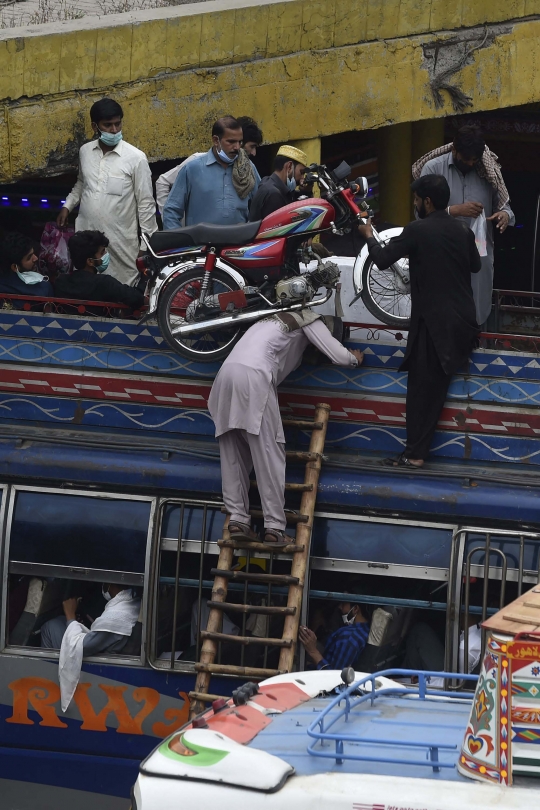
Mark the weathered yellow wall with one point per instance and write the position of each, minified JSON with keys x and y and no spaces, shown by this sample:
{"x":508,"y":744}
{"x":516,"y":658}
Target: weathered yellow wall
{"x":303,"y":69}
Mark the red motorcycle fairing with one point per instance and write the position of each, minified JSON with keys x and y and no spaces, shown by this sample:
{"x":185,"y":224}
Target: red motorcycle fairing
{"x":301,"y":217}
{"x":257,"y":259}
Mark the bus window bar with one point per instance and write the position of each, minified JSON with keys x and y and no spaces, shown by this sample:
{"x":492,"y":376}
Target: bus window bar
{"x":335,"y":596}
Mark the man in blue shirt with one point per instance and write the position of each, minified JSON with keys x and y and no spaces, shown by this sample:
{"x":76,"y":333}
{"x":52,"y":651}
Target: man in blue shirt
{"x":344,"y":645}
{"x":217,"y":186}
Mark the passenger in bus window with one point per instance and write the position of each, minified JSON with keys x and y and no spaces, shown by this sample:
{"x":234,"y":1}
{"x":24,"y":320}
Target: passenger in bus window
{"x":89,"y":254}
{"x":110,"y":633}
{"x":344,"y":645}
{"x":425,"y":649}
{"x":18,"y":268}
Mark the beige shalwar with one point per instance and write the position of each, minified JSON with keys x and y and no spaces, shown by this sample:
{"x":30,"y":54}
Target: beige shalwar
{"x":244,"y":405}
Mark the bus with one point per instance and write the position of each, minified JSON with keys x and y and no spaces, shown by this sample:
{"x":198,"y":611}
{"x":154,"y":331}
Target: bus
{"x":109,"y":473}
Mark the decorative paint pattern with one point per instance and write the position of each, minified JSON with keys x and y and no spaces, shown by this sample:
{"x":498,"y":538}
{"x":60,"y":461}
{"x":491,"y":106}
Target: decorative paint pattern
{"x":486,"y":751}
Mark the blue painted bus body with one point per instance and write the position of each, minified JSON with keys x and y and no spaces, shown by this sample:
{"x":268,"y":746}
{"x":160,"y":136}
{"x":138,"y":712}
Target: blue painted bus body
{"x":99,"y":405}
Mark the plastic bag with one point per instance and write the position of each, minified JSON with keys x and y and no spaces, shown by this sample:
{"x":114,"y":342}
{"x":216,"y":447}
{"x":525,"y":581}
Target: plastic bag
{"x":479,"y":228}
{"x":54,"y":255}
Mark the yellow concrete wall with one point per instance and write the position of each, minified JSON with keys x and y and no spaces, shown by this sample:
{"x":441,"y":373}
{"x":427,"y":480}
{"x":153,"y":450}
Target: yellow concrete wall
{"x":303,"y":69}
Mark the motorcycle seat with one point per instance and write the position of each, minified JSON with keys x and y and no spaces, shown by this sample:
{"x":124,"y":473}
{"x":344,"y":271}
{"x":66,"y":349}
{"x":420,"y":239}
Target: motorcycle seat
{"x":204,"y":234}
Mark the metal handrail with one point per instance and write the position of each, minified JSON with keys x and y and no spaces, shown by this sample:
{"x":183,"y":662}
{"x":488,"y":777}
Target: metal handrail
{"x":320,"y":731}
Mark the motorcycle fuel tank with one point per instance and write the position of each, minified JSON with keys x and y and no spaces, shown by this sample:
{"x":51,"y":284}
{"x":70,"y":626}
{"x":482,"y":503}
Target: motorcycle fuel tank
{"x":303,"y":216}
{"x":258,"y":259}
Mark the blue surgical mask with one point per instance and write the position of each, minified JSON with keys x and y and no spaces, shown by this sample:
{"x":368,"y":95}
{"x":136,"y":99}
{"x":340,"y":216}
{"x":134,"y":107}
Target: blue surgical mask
{"x":105,"y":259}
{"x":225,"y":158}
{"x":31,"y":277}
{"x":110,"y":138}
{"x":291,"y":183}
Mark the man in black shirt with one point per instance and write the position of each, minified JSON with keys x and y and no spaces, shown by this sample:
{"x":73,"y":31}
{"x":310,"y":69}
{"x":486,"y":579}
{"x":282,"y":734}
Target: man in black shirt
{"x":278,"y":190}
{"x":88,"y":250}
{"x":442,"y":255}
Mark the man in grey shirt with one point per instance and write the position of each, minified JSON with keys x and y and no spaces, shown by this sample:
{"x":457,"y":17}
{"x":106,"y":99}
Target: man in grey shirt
{"x":476,"y":187}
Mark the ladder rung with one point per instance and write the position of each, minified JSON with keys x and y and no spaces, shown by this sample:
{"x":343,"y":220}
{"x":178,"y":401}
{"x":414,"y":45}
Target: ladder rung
{"x":302,"y":455}
{"x":206,"y":698}
{"x":290,"y":548}
{"x":292,"y":517}
{"x":246,"y":672}
{"x":247,"y":641}
{"x":302,"y":423}
{"x":262,"y":610}
{"x":292,"y":487}
{"x":246,"y":576}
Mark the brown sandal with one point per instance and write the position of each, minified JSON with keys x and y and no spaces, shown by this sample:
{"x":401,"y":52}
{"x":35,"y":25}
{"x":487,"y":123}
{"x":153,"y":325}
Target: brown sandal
{"x":242,"y":531}
{"x":277,"y":537}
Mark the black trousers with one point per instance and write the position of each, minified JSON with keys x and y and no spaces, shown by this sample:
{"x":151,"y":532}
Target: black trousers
{"x":427,"y":387}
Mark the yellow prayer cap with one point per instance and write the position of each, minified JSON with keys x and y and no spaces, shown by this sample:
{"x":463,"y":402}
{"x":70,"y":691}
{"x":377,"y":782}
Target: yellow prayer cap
{"x":294,"y":154}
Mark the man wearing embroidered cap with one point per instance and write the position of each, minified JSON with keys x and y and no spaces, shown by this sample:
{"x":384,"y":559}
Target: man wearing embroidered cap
{"x":278,"y":190}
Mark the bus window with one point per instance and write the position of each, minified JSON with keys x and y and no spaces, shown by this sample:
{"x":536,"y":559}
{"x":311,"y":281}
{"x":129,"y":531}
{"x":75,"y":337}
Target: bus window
{"x":74,"y":555}
{"x":183,"y":578}
{"x":183,"y":586}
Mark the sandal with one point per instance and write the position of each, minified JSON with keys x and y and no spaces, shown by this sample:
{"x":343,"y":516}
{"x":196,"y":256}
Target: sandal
{"x":277,"y":537}
{"x":401,"y":461}
{"x":242,"y":531}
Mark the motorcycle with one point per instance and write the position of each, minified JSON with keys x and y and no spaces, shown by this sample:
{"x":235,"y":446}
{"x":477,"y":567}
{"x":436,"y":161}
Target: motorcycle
{"x":207,"y":283}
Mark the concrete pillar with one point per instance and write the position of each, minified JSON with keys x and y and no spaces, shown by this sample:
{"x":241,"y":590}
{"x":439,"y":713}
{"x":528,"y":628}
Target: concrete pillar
{"x":426,"y":135}
{"x":395,"y":173}
{"x":312,"y":148}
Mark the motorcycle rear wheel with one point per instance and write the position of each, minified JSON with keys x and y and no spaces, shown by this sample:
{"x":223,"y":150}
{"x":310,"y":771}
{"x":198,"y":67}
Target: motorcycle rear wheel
{"x":204,"y":347}
{"x":386,"y":296}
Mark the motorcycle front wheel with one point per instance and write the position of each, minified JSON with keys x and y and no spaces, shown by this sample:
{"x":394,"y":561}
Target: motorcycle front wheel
{"x":176,"y":302}
{"x":386,"y":295}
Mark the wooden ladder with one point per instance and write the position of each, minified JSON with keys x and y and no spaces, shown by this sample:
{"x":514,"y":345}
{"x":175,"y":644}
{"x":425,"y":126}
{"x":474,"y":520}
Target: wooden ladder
{"x":299,"y":551}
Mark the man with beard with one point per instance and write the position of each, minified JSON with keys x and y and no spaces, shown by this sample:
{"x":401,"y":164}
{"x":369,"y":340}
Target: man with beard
{"x":442,"y":254}
{"x":478,"y":197}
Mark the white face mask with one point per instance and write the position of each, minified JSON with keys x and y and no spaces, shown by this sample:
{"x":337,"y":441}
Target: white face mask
{"x":348,"y":618}
{"x":224,"y":157}
{"x":30,"y":277}
{"x":106,"y":594}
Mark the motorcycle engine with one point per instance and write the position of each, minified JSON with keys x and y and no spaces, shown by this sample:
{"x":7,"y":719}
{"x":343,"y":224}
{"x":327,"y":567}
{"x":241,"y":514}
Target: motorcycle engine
{"x":294,"y":289}
{"x":304,"y":287}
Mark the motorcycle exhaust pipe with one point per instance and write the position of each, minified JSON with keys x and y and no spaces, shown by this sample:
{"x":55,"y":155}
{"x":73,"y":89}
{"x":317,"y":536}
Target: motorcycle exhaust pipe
{"x":242,"y":318}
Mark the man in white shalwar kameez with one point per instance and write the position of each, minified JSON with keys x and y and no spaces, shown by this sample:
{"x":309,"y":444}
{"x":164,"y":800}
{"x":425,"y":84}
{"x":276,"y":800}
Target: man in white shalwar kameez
{"x":113,"y":191}
{"x":244,"y":405}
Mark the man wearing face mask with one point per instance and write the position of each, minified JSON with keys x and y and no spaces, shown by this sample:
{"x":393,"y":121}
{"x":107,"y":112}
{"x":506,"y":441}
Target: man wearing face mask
{"x":109,"y":633}
{"x":478,"y":197}
{"x":113,"y":190}
{"x":215,"y":187}
{"x":18,"y":268}
{"x":252,"y":139}
{"x":345,"y":644}
{"x":278,"y":190}
{"x":89,"y":251}
{"x":442,"y":255}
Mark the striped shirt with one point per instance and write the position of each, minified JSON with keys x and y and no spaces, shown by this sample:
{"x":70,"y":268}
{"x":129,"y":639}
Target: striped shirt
{"x":344,"y":646}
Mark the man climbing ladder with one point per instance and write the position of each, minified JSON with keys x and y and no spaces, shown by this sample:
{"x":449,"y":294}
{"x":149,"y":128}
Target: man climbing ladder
{"x":244,"y":406}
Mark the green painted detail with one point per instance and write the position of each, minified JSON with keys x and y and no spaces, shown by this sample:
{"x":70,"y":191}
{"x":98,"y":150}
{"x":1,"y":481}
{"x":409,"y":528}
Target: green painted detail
{"x":203,"y":757}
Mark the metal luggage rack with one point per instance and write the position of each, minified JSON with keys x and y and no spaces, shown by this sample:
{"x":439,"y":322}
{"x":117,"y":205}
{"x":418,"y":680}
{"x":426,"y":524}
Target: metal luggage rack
{"x":319,"y":729}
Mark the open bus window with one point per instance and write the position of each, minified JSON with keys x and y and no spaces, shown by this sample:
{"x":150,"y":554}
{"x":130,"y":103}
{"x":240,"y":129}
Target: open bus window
{"x":390,"y":630}
{"x":184,"y":587}
{"x":183,"y":573}
{"x":78,"y":557}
